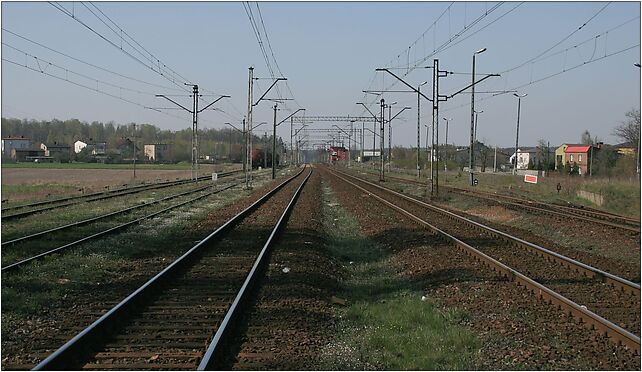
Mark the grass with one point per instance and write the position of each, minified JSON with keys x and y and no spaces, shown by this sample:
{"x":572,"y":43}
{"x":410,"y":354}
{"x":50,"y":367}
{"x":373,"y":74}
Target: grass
{"x":10,"y":191}
{"x":99,"y":263}
{"x":621,"y":195}
{"x":386,"y":325}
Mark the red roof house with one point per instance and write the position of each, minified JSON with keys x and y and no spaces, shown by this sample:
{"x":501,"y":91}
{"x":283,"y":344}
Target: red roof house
{"x":578,"y":154}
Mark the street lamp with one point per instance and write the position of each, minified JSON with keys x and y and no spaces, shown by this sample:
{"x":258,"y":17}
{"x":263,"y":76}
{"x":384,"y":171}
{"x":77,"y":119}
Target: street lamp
{"x":519,"y":105}
{"x":471,"y":155}
{"x":419,"y":125}
{"x":446,"y":144}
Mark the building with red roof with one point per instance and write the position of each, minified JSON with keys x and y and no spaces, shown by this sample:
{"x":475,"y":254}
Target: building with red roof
{"x":578,"y":155}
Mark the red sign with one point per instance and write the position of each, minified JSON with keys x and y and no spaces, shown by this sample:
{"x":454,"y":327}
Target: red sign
{"x":530,"y":179}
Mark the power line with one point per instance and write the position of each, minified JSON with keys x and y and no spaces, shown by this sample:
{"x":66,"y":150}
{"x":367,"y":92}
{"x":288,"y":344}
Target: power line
{"x":88,"y":63}
{"x":123,"y":32}
{"x":559,"y":42}
{"x":97,"y":90}
{"x":48,"y":63}
{"x":151,"y":67}
{"x":550,"y":76}
{"x":444,"y":46}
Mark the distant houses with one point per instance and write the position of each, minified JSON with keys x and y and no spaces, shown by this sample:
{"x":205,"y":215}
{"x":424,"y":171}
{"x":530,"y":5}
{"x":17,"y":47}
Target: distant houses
{"x":157,"y":152}
{"x":57,"y":151}
{"x":94,"y":148}
{"x":11,"y":143}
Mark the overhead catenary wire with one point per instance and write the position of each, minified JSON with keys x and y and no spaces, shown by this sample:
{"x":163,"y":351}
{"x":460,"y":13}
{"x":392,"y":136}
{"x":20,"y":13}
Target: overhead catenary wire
{"x":67,"y":70}
{"x":559,"y":42}
{"x":151,"y":67}
{"x":90,"y":64}
{"x":142,"y":47}
{"x":94,"y":89}
{"x":565,"y":70}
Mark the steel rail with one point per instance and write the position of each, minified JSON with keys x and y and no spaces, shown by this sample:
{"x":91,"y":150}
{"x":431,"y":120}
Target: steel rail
{"x":122,"y":211}
{"x":99,"y":196}
{"x":615,"y":333}
{"x":543,"y":208}
{"x":589,"y":216}
{"x":92,"y":219}
{"x":616,"y":281}
{"x":216,"y":347}
{"x":15,"y":265}
{"x":67,"y":354}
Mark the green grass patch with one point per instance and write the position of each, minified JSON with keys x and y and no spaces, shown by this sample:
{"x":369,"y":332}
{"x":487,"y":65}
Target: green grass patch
{"x":386,"y":325}
{"x":178,"y":166}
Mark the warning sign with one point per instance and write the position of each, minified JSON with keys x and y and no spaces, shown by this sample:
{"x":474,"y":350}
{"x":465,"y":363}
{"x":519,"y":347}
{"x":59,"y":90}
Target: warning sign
{"x":530,"y":179}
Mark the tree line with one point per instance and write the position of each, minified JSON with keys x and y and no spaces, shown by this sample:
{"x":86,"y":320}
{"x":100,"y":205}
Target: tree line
{"x":219,"y":143}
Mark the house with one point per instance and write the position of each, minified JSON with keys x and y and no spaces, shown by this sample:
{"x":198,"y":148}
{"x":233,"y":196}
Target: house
{"x":96,"y":148}
{"x":10,"y":143}
{"x":157,"y":152}
{"x":560,"y":155}
{"x":625,"y":149}
{"x":337,"y":154}
{"x":578,"y":155}
{"x":79,"y":145}
{"x":26,"y":154}
{"x":525,"y":155}
{"x":58,"y":151}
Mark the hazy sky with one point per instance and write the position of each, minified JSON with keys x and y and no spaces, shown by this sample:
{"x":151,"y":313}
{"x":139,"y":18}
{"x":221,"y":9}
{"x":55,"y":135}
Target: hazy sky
{"x":329,"y":51}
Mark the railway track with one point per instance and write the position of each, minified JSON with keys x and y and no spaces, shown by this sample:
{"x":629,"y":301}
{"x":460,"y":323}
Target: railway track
{"x":48,"y":239}
{"x":48,"y":205}
{"x":183,"y":316}
{"x":591,"y":215}
{"x":576,"y":288}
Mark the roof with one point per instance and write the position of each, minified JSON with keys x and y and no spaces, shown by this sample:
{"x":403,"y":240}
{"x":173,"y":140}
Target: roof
{"x":575,"y":148}
{"x":57,"y":145}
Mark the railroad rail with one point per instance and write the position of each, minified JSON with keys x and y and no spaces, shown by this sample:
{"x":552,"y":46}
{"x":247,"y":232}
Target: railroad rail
{"x":169,"y":321}
{"x":45,"y":205}
{"x":588,"y":317}
{"x":22,"y":262}
{"x":584,"y":214}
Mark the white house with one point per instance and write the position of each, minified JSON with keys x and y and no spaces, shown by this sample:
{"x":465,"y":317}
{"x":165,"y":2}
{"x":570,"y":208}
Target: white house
{"x":78,"y":146}
{"x":524,"y":156}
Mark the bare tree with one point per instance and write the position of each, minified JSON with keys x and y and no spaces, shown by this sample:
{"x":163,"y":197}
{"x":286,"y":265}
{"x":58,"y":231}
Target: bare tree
{"x":586,"y":138}
{"x":629,"y":129}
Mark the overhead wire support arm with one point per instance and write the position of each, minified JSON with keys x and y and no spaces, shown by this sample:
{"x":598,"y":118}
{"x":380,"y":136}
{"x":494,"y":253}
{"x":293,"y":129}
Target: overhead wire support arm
{"x":401,"y":80}
{"x":289,"y":116}
{"x":268,"y":89}
{"x":470,"y":85}
{"x":216,"y":100}
{"x":176,"y":103}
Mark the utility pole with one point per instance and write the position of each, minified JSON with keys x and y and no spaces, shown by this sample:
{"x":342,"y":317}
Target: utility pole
{"x":244,"y":150}
{"x":591,"y":161}
{"x":519,"y":105}
{"x":291,"y":144}
{"x":363,"y":127}
{"x":274,"y":144}
{"x":495,"y":163}
{"x":195,"y":134}
{"x":418,"y":131}
{"x":248,"y":131}
{"x":194,"y":111}
{"x":434,"y":190}
{"x":471,"y":155}
{"x":390,"y":134}
{"x":383,"y":112}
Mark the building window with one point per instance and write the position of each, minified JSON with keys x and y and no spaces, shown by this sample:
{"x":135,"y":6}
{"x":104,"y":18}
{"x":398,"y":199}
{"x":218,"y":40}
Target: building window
{"x":571,"y":157}
{"x":579,"y":158}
